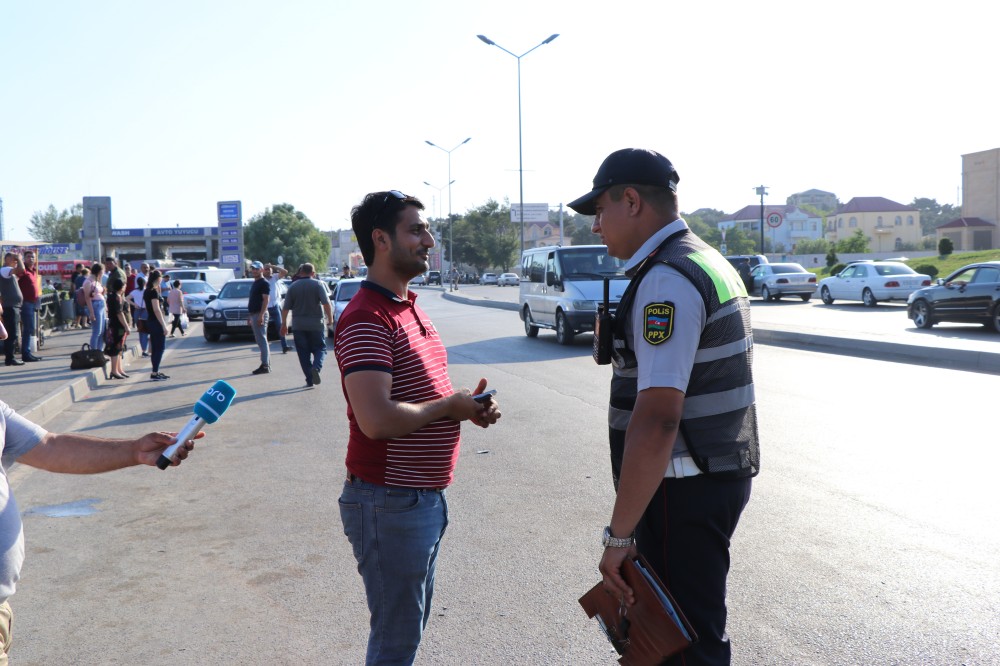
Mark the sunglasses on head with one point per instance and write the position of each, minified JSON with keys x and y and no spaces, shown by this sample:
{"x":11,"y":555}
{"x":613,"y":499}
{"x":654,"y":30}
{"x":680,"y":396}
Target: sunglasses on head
{"x":385,"y":202}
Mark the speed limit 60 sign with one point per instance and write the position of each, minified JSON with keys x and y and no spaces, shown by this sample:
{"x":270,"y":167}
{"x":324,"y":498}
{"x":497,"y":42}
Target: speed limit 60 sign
{"x":774,"y":220}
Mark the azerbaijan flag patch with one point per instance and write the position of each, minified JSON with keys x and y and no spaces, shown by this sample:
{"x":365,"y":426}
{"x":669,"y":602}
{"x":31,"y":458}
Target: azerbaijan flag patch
{"x":659,"y":325}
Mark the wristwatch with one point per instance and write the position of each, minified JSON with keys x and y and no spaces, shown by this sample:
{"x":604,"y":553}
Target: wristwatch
{"x":611,"y":541}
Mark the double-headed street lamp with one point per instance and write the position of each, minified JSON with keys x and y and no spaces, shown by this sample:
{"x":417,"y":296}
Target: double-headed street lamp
{"x":520,"y":147}
{"x":435,"y":187}
{"x":451,"y":243}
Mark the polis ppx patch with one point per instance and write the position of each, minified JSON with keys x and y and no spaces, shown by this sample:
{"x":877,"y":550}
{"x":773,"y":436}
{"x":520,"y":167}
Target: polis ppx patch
{"x":659,"y":318}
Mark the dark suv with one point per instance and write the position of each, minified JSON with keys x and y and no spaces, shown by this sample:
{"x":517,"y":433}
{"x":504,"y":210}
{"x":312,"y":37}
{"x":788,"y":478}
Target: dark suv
{"x":434,"y":277}
{"x":754,"y":259}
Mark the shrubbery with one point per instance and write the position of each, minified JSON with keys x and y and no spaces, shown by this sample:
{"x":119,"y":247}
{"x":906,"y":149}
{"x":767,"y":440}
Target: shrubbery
{"x":927,"y":269}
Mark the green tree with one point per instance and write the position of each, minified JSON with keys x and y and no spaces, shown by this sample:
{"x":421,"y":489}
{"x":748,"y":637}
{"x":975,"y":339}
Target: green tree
{"x":856,"y":244}
{"x":288,"y":233}
{"x":831,"y":258}
{"x":709,"y":216}
{"x":486,"y":238}
{"x":933,"y":214}
{"x":812,"y":246}
{"x":737,"y":242}
{"x":54,"y":226}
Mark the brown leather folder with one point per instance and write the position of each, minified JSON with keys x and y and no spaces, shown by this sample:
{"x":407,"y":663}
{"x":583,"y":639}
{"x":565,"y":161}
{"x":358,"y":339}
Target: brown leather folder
{"x":651,"y":630}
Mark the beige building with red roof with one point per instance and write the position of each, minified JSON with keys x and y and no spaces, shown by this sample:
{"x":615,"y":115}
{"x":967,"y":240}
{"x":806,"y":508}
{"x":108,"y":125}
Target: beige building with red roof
{"x":889,"y":226}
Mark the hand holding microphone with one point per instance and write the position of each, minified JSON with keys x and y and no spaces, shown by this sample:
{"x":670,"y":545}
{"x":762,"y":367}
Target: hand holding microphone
{"x":212,"y":405}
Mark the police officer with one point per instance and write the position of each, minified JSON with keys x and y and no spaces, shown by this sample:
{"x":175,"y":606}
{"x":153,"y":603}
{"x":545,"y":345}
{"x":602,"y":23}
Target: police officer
{"x":683,"y":424}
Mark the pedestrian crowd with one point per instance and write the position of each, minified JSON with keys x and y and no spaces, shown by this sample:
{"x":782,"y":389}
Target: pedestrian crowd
{"x":108,"y":299}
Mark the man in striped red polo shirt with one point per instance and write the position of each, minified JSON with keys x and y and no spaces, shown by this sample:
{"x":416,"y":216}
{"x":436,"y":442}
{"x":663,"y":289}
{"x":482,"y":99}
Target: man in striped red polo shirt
{"x":404,"y":420}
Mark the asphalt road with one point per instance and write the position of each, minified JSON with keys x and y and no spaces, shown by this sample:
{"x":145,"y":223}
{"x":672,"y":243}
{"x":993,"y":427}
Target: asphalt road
{"x":868,"y":538}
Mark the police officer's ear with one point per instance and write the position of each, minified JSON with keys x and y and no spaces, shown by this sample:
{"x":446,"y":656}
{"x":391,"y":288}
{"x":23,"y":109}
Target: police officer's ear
{"x":632,"y":199}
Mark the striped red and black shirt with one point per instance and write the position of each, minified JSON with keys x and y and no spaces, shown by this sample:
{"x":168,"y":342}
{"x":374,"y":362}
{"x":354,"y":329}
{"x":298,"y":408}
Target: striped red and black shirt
{"x":378,"y":331}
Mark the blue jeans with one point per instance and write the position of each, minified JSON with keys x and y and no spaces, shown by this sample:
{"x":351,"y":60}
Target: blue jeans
{"x":12,"y":322}
{"x":311,"y":348}
{"x":28,"y":310}
{"x":260,"y":334}
{"x":396,"y":535}
{"x":274,"y":314}
{"x":99,"y":326}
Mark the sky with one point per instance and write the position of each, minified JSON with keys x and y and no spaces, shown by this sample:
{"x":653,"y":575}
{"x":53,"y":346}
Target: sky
{"x":170,"y":107}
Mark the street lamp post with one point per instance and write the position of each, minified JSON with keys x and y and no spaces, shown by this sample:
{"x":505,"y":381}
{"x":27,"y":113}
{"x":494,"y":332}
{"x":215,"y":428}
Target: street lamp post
{"x":435,"y":187}
{"x":451,"y":242}
{"x":762,"y":190}
{"x":520,"y":146}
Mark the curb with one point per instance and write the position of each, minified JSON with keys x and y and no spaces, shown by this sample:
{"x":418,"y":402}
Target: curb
{"x":60,"y":399}
{"x":954,"y":359}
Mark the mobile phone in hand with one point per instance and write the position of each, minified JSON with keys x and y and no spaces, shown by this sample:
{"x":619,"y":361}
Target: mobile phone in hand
{"x":484,"y":397}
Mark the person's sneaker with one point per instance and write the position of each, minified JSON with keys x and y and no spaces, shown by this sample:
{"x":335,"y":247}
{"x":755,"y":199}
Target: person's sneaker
{"x":316,"y":378}
{"x":145,"y":354}
{"x":158,"y":377}
{"x":262,"y":370}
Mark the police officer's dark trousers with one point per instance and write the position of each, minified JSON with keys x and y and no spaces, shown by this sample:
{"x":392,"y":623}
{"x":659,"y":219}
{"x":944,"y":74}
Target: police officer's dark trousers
{"x":685,"y":535}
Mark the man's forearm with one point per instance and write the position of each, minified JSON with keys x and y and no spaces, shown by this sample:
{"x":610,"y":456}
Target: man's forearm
{"x":649,"y":445}
{"x":70,"y":453}
{"x":403,"y":418}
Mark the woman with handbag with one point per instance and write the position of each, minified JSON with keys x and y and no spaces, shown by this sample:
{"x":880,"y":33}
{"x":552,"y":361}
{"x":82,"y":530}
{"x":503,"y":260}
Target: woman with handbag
{"x":117,"y":327}
{"x":140,"y":313}
{"x":93,"y":292}
{"x":156,"y":325}
{"x":175,"y":304}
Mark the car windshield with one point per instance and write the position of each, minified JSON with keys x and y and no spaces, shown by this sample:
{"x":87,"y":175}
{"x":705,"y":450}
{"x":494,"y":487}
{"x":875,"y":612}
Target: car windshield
{"x":894,"y":269}
{"x":235,"y":290}
{"x":786,"y":268}
{"x":592,"y":264}
{"x":197,"y":287}
{"x":347,"y":290}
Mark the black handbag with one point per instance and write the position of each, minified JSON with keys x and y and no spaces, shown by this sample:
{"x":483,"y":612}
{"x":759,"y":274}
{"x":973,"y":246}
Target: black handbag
{"x":87,"y":358}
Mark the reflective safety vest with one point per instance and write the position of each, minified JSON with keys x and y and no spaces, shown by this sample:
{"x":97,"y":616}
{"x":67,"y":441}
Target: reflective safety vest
{"x":719,"y":421}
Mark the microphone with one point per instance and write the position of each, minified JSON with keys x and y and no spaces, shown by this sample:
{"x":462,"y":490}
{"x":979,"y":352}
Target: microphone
{"x":208,"y":409}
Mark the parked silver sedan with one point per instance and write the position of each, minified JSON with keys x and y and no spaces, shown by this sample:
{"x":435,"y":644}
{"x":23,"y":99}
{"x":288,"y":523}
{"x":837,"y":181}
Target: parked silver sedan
{"x":772,"y":281}
{"x":873,"y":281}
{"x":343,"y":292}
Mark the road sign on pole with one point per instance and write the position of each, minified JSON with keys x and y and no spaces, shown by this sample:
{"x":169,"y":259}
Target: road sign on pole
{"x":774,"y":220}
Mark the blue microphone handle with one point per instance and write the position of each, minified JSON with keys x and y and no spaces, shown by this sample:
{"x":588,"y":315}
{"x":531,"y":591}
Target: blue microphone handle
{"x":189,"y":431}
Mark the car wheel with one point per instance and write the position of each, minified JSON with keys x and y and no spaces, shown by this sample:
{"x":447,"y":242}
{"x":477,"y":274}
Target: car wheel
{"x":868,"y":298}
{"x":529,"y":328}
{"x":995,"y":318}
{"x":824,"y":294}
{"x":806,"y":297}
{"x":212,"y":337}
{"x":922,"y":314}
{"x":765,"y":293}
{"x":564,"y":334}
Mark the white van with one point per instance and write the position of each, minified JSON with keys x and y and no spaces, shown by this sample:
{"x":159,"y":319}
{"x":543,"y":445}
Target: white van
{"x":561,"y":287}
{"x":214,"y":276}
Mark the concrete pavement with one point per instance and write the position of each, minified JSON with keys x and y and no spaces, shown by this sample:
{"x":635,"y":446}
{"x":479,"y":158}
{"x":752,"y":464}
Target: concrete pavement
{"x":41,"y":390}
{"x":960,"y":347}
